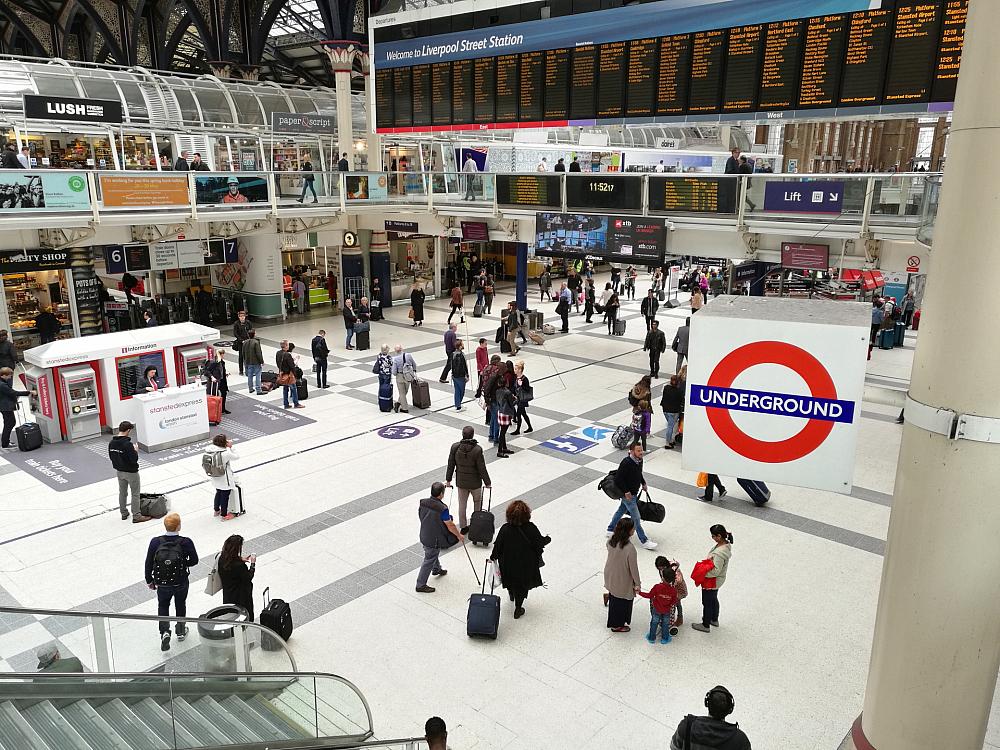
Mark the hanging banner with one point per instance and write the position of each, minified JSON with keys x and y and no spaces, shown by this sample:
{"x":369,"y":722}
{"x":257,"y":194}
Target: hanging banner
{"x":69,"y":109}
{"x":142,"y":191}
{"x":52,"y":191}
{"x":230,"y":190}
{"x":286,"y":122}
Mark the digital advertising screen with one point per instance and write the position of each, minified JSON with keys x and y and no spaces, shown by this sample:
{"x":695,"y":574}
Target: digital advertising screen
{"x":624,"y":239}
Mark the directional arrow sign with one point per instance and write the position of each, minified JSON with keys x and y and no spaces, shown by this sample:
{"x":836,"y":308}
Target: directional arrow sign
{"x":568,"y":444}
{"x":810,"y":197}
{"x":596,"y":433}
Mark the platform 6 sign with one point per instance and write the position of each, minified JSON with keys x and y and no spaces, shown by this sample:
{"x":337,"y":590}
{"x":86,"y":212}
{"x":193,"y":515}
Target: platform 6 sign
{"x":776,"y":401}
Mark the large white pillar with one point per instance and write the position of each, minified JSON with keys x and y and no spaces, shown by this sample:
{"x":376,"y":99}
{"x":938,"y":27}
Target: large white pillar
{"x":936,"y":648}
{"x":342,"y":60}
{"x":373,"y":139}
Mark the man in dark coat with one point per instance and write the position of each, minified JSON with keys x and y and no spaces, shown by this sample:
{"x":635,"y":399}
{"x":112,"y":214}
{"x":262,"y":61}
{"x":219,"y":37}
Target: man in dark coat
{"x":241,"y":333}
{"x":466,"y":461}
{"x":648,"y":307}
{"x":629,"y":480}
{"x":655,"y":344}
{"x":321,"y":354}
{"x":349,"y":320}
{"x":181,"y":165}
{"x":435,"y":527}
{"x":711,"y":732}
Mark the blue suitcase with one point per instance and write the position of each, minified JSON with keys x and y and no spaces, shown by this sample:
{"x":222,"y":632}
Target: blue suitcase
{"x":385,"y":396}
{"x":886,"y":338}
{"x":483,"y":620}
{"x":758,"y":491}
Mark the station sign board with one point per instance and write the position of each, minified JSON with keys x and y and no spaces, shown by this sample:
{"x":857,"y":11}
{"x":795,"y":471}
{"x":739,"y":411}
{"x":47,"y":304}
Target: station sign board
{"x":71,"y":109}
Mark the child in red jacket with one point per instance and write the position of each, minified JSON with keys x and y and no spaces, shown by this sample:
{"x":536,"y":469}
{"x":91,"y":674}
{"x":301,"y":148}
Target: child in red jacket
{"x":662,"y":599}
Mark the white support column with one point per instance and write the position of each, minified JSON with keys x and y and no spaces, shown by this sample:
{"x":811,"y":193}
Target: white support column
{"x":342,"y":59}
{"x":936,"y":650}
{"x":373,"y":139}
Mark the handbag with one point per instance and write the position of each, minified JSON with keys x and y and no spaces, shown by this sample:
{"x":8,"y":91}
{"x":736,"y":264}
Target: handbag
{"x":286,"y":378}
{"x":541,"y":561}
{"x":702,"y":480}
{"x":525,"y":394}
{"x":410,"y":314}
{"x":213,"y":584}
{"x":488,"y":289}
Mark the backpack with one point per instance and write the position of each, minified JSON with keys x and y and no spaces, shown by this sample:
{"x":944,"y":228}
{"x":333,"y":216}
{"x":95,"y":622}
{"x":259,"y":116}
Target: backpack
{"x":212,"y":463}
{"x":408,"y":371}
{"x":168,"y":562}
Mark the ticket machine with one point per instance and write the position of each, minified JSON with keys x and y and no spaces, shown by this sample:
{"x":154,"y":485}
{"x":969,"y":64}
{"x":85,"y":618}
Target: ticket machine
{"x":78,"y":387}
{"x":43,"y":403}
{"x":191,"y":359}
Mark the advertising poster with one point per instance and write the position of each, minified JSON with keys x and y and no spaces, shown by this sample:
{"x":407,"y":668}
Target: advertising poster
{"x":141,"y":191}
{"x":230,"y":190}
{"x":372,"y":186}
{"x":620,"y":239}
{"x":43,"y":192}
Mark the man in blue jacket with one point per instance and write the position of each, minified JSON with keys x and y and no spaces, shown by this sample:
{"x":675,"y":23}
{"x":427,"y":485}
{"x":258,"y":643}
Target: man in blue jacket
{"x":167,"y":562}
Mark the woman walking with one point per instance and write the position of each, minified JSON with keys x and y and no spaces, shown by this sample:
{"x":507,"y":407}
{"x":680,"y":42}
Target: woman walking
{"x":488,"y":291}
{"x":518,"y":550}
{"x":8,"y":405}
{"x":621,"y":576}
{"x":223,"y":477}
{"x":456,"y":304}
{"x":417,"y":303}
{"x":524,"y":394}
{"x":672,"y":404}
{"x":506,"y":406}
{"x":611,"y":312}
{"x":218,"y":384}
{"x":383,"y":368}
{"x":236,"y":572}
{"x":720,"y":555}
{"x":459,"y":373}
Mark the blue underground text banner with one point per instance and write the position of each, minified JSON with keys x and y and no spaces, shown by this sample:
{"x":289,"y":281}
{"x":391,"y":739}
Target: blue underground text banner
{"x":777,"y":404}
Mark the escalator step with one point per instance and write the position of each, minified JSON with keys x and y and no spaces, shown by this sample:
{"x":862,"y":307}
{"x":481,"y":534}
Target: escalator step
{"x":253,"y":720}
{"x":132,"y":727}
{"x":263,"y":706}
{"x":16,"y":733}
{"x":233,"y":726}
{"x":157,"y":718}
{"x":96,"y":730}
{"x":46,"y":720}
{"x":188,"y":717}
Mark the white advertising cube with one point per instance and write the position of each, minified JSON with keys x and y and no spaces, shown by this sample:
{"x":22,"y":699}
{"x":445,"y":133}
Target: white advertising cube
{"x":774,"y":390}
{"x":171,"y":416}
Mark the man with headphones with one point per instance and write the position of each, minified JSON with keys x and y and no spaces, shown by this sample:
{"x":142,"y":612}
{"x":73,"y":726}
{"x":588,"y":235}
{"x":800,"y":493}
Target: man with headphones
{"x":711,"y":732}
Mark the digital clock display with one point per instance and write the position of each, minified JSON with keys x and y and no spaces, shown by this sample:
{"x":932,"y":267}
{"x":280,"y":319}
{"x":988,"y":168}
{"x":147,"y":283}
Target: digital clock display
{"x":620,"y":192}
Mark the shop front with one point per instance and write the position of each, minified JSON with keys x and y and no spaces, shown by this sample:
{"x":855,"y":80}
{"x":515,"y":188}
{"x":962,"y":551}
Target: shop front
{"x":411,"y":257}
{"x":37,"y":295}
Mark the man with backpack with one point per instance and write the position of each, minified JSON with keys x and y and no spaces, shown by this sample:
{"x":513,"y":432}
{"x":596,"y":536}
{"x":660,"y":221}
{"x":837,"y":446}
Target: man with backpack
{"x":167,"y":562}
{"x":405,"y":370}
{"x":488,"y":383}
{"x":125,"y":461}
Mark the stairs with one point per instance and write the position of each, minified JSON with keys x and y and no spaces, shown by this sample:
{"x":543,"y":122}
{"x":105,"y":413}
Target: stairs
{"x":198,"y":713}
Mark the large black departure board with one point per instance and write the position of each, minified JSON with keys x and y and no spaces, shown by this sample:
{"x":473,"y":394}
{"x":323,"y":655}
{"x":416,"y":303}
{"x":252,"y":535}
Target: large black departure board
{"x":461,"y":92}
{"x":556,"y":84}
{"x":403,"y":97}
{"x":949,"y":53}
{"x":675,"y":74}
{"x":583,"y":83}
{"x":421,"y":95}
{"x":868,"y":37}
{"x":532,"y":86}
{"x":779,"y":73}
{"x":708,"y":53}
{"x":739,"y":94}
{"x":484,"y":89}
{"x":822,"y":61}
{"x":441,"y":93}
{"x":533,"y":190}
{"x":684,"y":194}
{"x":908,"y":54}
{"x":611,"y":60}
{"x":640,"y":82}
{"x":508,"y":90}
{"x":623,"y":192}
{"x":913,"y":56}
{"x":385,"y":111}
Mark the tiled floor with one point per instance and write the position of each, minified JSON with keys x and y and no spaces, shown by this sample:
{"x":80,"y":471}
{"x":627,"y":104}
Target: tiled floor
{"x":332,"y":515}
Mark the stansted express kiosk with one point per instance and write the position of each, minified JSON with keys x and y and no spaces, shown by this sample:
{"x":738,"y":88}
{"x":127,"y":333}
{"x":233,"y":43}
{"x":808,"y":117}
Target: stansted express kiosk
{"x":86,"y":386}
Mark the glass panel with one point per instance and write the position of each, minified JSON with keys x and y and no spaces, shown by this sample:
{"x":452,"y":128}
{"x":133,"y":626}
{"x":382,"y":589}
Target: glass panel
{"x":340,"y":710}
{"x":246,"y":105}
{"x":140,"y":151}
{"x":272,"y":102}
{"x":13,"y":83}
{"x":137,"y":110}
{"x":214,"y":106}
{"x":99,"y":85}
{"x":52,"y":84}
{"x":303,"y":103}
{"x":189,"y":110}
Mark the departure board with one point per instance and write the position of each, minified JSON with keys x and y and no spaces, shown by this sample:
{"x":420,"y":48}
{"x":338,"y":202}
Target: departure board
{"x":640,"y":89}
{"x":531,"y":85}
{"x":707,"y":57}
{"x":421,"y":95}
{"x":779,"y":74}
{"x":611,"y":81}
{"x":403,"y":97}
{"x":484,"y":89}
{"x":914,"y":52}
{"x":699,"y":195}
{"x":556,"y":84}
{"x":739,"y":94}
{"x":542,"y":190}
{"x":675,"y":74}
{"x":508,"y":89}
{"x":868,"y":38}
{"x":583,"y":83}
{"x":949,"y":53}
{"x":385,"y":111}
{"x":822,"y":59}
{"x":623,"y":192}
{"x":461,"y":92}
{"x":441,"y":93}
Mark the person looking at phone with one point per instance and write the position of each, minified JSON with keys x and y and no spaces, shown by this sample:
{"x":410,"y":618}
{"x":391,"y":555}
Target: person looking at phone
{"x":236,"y":571}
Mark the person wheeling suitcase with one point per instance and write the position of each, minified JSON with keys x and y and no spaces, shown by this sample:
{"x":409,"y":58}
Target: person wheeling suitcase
{"x":437,"y":532}
{"x":467,"y":464}
{"x":29,"y":434}
{"x":518,"y":553}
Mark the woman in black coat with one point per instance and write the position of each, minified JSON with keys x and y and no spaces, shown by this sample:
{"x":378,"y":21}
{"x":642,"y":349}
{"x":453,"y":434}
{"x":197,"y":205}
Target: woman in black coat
{"x":518,"y":548}
{"x":417,"y":303}
{"x":236,"y":574}
{"x":218,"y":384}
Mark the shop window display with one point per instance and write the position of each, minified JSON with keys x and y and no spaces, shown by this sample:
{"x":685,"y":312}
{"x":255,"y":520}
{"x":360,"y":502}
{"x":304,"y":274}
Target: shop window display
{"x":28,"y":296}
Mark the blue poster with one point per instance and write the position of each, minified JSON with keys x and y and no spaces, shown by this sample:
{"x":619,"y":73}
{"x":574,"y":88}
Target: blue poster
{"x":793,"y":197}
{"x":613,"y":25}
{"x":48,"y":191}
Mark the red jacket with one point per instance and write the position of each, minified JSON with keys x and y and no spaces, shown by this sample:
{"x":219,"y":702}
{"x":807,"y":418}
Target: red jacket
{"x":664,"y":597}
{"x":482,"y":358}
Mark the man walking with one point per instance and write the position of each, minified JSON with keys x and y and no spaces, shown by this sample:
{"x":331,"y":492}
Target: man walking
{"x":125,"y":459}
{"x":459,"y":373}
{"x":467,"y":464}
{"x":629,"y":480}
{"x":241,"y":332}
{"x":470,"y":169}
{"x":167,"y":562}
{"x":349,"y":320}
{"x":515,"y":326}
{"x":437,"y":532}
{"x":320,"y":352}
{"x":655,"y":344}
{"x":253,"y":360}
{"x":405,"y":370}
{"x":681,"y":341}
{"x":648,"y":307}
{"x":450,"y":337}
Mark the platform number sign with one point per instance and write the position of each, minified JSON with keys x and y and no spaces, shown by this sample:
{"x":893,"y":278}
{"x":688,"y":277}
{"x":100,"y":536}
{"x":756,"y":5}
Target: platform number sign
{"x":114,"y":258}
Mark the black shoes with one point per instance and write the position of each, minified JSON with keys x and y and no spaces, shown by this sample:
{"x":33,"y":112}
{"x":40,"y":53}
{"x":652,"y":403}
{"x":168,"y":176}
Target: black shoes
{"x":723,"y":492}
{"x":518,"y":612}
{"x":182,"y":633}
{"x":425,"y":589}
{"x":395,"y":408}
{"x":165,"y":641}
{"x":704,"y":499}
{"x":226,"y":411}
{"x":441,"y":572}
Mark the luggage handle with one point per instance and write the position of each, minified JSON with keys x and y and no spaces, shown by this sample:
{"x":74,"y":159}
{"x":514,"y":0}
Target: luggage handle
{"x":266,"y":596}
{"x":472,"y":565}
{"x":486,"y":574}
{"x":489,"y":503}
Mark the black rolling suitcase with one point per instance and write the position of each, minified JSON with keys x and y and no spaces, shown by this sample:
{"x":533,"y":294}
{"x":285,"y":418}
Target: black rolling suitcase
{"x":302,"y":386}
{"x":362,"y":340}
{"x":477,"y":310}
{"x":757,"y":491}
{"x":483,"y":620}
{"x":483,"y":524}
{"x":376,"y":309}
{"x":276,"y":616}
{"x":28,"y":434}
{"x":421,"y":394}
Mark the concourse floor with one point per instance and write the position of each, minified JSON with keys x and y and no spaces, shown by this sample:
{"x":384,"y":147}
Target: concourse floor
{"x":332,"y":514}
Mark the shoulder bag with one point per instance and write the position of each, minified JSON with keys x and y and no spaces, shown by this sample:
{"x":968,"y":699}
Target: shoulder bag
{"x":286,"y":378}
{"x":538,"y":553}
{"x":213,"y":584}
